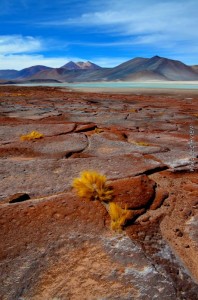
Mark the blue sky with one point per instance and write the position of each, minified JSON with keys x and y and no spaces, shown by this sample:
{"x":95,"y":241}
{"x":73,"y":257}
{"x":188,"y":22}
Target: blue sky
{"x":106,"y":32}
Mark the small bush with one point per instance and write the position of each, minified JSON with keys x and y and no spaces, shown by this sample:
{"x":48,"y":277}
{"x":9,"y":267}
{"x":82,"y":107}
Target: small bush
{"x":92,"y":186}
{"x":118,"y":216}
{"x":31,"y":136}
{"x":98,"y":130}
{"x":133,"y":110}
{"x":141,"y":144}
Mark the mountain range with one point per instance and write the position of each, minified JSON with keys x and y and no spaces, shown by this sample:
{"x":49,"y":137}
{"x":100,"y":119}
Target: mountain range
{"x":138,"y":69}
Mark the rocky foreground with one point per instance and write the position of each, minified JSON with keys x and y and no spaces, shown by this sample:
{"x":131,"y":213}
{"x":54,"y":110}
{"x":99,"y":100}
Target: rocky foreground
{"x":56,"y":246}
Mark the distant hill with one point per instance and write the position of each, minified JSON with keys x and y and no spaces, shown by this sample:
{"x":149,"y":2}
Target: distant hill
{"x":23,"y":74}
{"x":27,"y":72}
{"x":8,"y":74}
{"x":145,"y":75}
{"x":171,"y":69}
{"x":138,"y":69}
{"x":167,"y":69}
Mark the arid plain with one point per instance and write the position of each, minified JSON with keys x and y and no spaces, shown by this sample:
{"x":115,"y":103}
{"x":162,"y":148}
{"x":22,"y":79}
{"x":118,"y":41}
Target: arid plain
{"x":55,"y":245}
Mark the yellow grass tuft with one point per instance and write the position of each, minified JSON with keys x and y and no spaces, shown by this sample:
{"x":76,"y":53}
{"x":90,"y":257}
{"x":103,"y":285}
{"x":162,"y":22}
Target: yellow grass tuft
{"x":92,"y":186}
{"x":133,"y":110}
{"x":141,"y":144}
{"x":118,"y":216}
{"x":31,"y":136}
{"x":98,"y":130}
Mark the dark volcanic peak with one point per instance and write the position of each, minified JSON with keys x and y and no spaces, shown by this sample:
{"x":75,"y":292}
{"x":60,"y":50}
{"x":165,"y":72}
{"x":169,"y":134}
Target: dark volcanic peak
{"x":81,"y":66}
{"x":88,"y":65}
{"x":71,"y":66}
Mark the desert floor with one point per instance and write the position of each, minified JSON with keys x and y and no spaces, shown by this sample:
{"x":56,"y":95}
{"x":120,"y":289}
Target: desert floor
{"x":54,"y":245}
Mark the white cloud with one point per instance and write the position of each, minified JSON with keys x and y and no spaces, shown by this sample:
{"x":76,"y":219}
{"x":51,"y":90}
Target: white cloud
{"x":21,"y":61}
{"x":148,"y":22}
{"x":19,"y":52}
{"x":11,"y":44}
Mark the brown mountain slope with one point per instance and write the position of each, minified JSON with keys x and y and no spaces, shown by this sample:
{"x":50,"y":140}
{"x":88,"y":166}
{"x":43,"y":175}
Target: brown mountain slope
{"x":170,"y":69}
{"x":145,"y":76}
{"x":195,"y":68}
{"x":155,"y":68}
{"x":141,"y":69}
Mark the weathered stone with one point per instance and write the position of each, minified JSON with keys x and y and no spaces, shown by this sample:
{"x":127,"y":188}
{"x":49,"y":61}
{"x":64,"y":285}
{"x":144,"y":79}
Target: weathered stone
{"x":60,"y":146}
{"x":13,"y":133}
{"x":42,"y":176}
{"x":19,"y":197}
{"x":103,"y":145}
{"x":182,"y":207}
{"x":134,"y":193}
{"x":85,"y":127}
{"x":57,"y":246}
{"x":160,"y":196}
{"x":49,"y":147}
{"x":175,"y":159}
{"x":57,"y":239}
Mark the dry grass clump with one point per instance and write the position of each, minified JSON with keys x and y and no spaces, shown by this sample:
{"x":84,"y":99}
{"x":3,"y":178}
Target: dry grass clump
{"x":141,"y":144}
{"x":98,"y":130}
{"x":119,"y":216}
{"x":133,"y":110}
{"x":92,"y":186}
{"x":31,"y":136}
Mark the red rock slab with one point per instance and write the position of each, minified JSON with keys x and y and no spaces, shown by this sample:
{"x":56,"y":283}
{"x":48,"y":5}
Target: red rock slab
{"x":104,"y":145}
{"x":85,"y":127}
{"x":10,"y":133}
{"x":33,"y":114}
{"x":151,"y":123}
{"x":104,"y":118}
{"x":167,"y":140}
{"x":191,"y":228}
{"x":176,"y":158}
{"x":134,"y":193}
{"x":19,"y":197}
{"x":39,"y":177}
{"x":53,"y":249}
{"x":60,"y":146}
{"x":179,"y":226}
{"x":160,"y":196}
{"x":50,"y":147}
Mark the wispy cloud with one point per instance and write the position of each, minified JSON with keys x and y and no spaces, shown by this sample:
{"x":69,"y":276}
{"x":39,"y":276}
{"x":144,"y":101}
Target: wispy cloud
{"x":18,"y":52}
{"x":118,"y":43}
{"x":149,"y":22}
{"x":10,"y":44}
{"x":96,"y":30}
{"x":21,"y":61}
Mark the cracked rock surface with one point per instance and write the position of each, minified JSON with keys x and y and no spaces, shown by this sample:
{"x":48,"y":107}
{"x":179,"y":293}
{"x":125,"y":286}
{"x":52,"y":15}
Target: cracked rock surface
{"x":55,"y":246}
